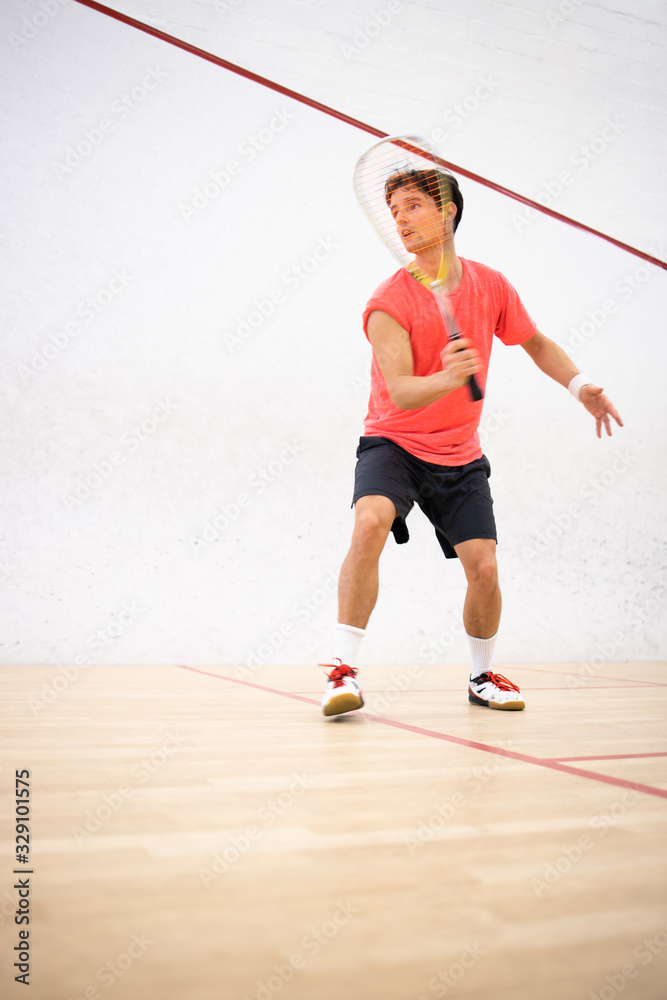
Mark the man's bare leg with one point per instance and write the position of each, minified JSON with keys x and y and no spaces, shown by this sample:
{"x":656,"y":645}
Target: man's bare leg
{"x":482,"y":605}
{"x":358,"y":580}
{"x":357,"y":594}
{"x":481,"y":617}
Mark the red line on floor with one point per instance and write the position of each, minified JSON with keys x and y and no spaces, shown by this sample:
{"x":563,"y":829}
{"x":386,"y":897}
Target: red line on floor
{"x":553,"y":765}
{"x":524,"y":687}
{"x":259,"y":687}
{"x":611,"y":756}
{"x":585,"y":680}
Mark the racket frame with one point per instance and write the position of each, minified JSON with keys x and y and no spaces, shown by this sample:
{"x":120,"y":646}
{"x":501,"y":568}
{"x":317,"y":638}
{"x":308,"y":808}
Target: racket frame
{"x":417,"y":147}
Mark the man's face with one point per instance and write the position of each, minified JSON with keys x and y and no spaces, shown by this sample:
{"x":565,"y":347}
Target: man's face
{"x":419,"y":220}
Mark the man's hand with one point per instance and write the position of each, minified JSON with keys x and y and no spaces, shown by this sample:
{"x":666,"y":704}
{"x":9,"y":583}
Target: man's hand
{"x":597,"y":404}
{"x":459,"y":361}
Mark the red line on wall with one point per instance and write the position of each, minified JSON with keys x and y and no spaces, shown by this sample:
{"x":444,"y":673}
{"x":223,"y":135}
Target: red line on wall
{"x":325,"y":109}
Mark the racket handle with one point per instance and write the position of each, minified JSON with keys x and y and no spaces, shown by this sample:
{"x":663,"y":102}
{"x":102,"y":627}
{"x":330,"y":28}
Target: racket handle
{"x":475,"y":390}
{"x":473,"y":385}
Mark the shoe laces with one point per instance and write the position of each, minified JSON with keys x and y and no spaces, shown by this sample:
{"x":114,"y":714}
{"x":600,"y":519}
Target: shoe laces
{"x":497,"y":679}
{"x":339,"y":673}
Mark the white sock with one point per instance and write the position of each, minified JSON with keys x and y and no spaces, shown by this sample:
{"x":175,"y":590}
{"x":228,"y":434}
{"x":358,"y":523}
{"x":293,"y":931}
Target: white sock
{"x":481,"y":653}
{"x":347,"y":640}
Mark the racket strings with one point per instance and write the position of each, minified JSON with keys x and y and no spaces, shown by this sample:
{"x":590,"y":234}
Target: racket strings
{"x":401,"y":157}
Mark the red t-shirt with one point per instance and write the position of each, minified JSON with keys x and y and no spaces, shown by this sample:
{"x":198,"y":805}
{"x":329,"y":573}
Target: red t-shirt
{"x":484,"y":304}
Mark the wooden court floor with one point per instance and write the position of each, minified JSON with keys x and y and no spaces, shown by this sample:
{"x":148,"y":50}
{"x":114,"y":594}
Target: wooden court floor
{"x":198,"y":837}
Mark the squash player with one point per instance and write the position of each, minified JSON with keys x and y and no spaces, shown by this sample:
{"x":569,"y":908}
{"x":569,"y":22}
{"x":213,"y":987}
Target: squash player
{"x":421,"y":443}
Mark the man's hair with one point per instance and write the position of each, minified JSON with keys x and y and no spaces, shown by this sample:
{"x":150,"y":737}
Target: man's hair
{"x":432,"y":182}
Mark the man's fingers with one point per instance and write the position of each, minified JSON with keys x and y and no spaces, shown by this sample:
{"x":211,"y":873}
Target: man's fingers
{"x":603,"y":419}
{"x":456,"y":353}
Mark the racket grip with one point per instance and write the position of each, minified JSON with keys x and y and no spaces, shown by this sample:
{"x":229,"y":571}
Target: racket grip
{"x":473,"y":385}
{"x":475,"y":390}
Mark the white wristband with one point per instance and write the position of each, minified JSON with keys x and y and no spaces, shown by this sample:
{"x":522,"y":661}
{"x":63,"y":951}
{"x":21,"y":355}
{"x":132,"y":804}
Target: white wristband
{"x":576,"y":384}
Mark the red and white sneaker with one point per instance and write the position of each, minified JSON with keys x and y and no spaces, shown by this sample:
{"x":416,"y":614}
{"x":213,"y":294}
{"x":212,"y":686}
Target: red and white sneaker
{"x":343,"y":693}
{"x":495,"y":691}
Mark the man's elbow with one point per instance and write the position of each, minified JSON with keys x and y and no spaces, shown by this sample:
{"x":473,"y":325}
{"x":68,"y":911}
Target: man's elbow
{"x":400,"y":395}
{"x":401,"y":400}
{"x":535,"y":345}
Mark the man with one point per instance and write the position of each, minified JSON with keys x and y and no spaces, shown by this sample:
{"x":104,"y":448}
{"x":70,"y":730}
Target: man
{"x":421,"y":442}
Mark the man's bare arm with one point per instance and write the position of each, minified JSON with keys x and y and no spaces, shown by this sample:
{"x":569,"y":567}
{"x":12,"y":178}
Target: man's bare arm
{"x":554,"y":362}
{"x":393,"y":350}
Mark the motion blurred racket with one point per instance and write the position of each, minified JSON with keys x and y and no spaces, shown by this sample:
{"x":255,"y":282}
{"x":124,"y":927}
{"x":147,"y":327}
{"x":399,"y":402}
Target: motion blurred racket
{"x":399,"y":154}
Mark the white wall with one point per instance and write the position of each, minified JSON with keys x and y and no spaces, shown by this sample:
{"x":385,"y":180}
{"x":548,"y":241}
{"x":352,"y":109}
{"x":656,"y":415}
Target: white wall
{"x":128,"y":367}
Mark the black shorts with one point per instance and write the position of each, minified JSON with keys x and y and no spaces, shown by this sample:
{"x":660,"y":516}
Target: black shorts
{"x":456,"y":499}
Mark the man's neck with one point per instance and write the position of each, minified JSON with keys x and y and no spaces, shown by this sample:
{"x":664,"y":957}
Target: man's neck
{"x":438,"y":264}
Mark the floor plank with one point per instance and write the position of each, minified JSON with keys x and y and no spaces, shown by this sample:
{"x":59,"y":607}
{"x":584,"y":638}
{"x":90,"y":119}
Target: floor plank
{"x":198,"y":838}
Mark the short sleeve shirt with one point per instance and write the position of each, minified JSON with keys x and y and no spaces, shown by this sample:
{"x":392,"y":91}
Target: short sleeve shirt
{"x":484,"y":305}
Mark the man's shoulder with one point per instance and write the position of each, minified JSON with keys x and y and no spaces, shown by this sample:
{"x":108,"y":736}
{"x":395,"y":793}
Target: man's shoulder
{"x":483,"y":271}
{"x":395,"y":283}
{"x":397,"y":296}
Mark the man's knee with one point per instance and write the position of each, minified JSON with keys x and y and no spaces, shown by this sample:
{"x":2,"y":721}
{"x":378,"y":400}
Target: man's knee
{"x":483,"y":573}
{"x":374,"y":517}
{"x":481,"y":567}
